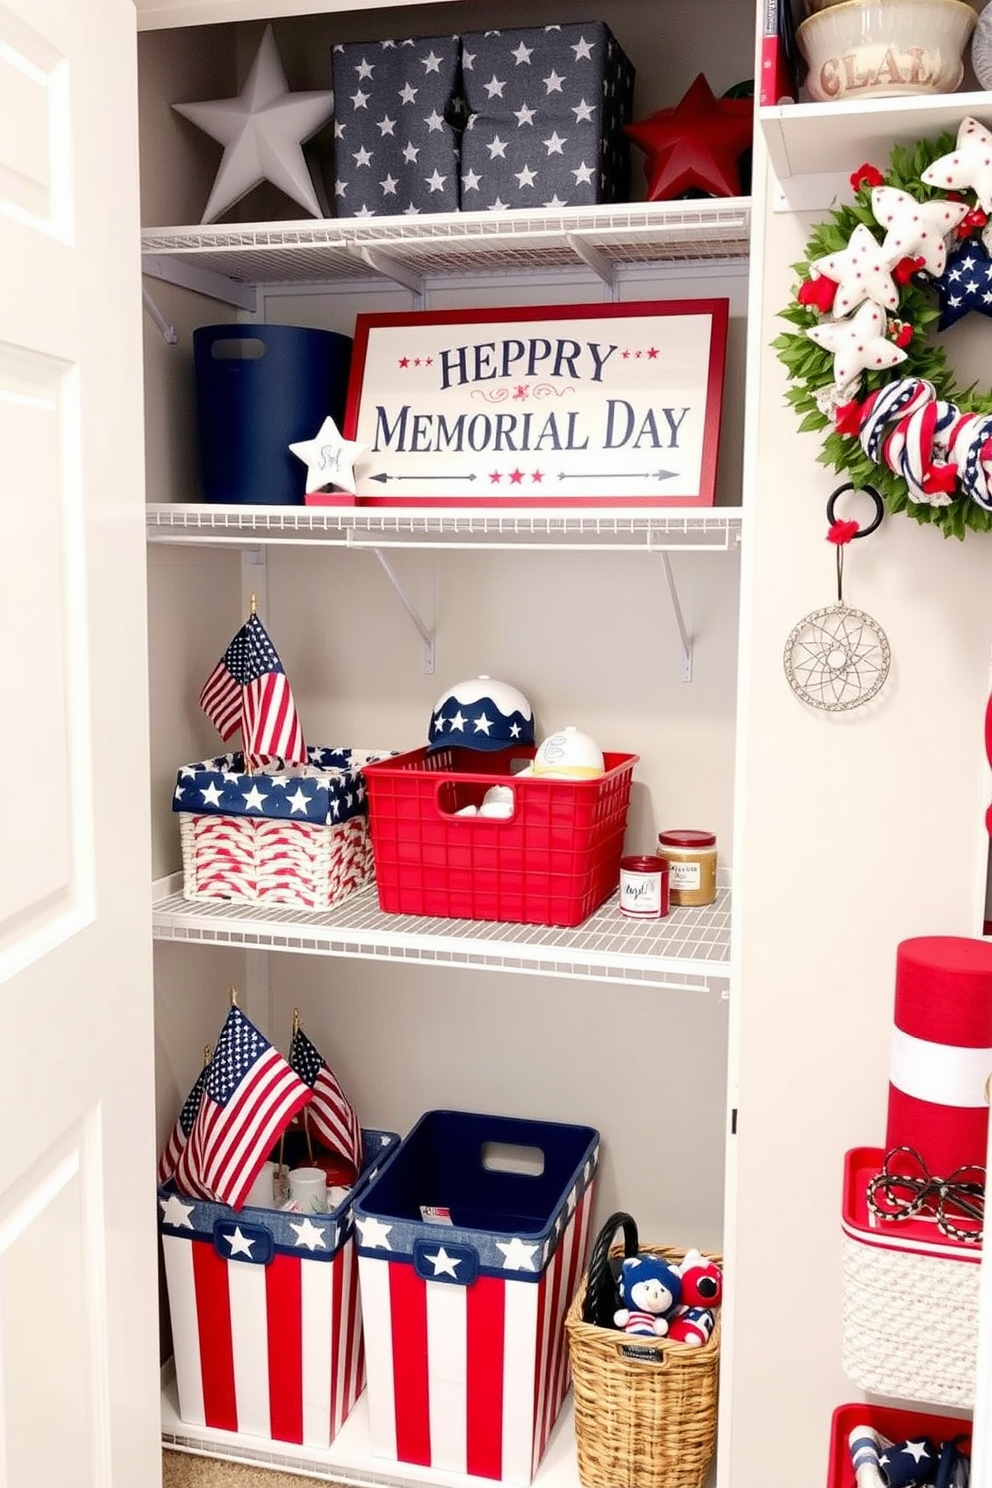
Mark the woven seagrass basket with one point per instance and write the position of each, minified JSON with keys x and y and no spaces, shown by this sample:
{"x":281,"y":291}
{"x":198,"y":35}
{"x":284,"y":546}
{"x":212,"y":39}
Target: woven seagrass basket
{"x":645,"y":1408}
{"x":267,"y":861}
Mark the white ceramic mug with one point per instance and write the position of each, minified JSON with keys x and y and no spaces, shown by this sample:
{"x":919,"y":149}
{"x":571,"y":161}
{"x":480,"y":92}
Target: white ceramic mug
{"x":308,"y":1186}
{"x":262,"y":1195}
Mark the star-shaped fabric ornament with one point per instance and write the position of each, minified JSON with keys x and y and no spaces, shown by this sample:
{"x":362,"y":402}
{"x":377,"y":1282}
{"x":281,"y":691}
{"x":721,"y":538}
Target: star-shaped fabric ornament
{"x":695,"y":145}
{"x":965,"y":285}
{"x":968,"y":165}
{"x":262,"y":131}
{"x":861,"y":272}
{"x":858,"y":344}
{"x":329,"y":458}
{"x":915,"y":229}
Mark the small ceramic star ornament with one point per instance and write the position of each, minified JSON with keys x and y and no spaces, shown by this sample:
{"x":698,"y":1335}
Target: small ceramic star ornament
{"x":330,"y":459}
{"x":695,"y":145}
{"x":915,"y":229}
{"x":861,"y":272}
{"x":262,"y":131}
{"x":859,"y":344}
{"x":966,"y":285}
{"x":969,"y":165}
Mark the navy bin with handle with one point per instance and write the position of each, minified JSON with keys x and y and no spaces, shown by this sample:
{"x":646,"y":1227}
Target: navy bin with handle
{"x":260,"y":388}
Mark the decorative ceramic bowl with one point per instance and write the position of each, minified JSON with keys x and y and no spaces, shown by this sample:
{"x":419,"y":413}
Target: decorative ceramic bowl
{"x":875,"y":48}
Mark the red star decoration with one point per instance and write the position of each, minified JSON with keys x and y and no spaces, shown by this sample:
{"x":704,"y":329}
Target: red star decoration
{"x":652,"y":353}
{"x":940,"y":477}
{"x":496,"y":476}
{"x":516,"y":476}
{"x":404,"y":361}
{"x":626,"y":353}
{"x":537,"y":476}
{"x":697,"y":144}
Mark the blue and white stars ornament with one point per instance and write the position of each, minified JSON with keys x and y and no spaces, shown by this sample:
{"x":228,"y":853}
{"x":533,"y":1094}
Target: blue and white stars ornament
{"x":481,"y":714}
{"x":965,"y":285}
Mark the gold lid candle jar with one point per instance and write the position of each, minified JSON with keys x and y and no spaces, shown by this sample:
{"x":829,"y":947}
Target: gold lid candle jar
{"x":691,"y":866}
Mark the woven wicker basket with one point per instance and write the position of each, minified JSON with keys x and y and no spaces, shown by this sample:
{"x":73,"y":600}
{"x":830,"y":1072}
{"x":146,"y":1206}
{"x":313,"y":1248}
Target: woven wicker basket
{"x":645,"y":1408}
{"x":268,"y":861}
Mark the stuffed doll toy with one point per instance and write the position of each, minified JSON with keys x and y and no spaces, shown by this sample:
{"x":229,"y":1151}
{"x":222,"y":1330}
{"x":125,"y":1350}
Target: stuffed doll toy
{"x":650,"y":1290}
{"x":702,"y":1290}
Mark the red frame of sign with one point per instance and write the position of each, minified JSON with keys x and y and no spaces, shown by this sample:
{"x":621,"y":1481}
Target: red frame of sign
{"x":544,"y":362}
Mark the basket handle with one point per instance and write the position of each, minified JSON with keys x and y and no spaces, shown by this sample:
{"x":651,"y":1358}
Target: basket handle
{"x":601,"y":1299}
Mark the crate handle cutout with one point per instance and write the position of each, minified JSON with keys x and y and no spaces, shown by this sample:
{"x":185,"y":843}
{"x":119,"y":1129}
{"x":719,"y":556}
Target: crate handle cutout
{"x":231,"y":349}
{"x":452,"y":797}
{"x":508,"y":1157}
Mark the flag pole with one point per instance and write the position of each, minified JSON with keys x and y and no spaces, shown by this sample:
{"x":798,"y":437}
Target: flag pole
{"x":233,"y":993}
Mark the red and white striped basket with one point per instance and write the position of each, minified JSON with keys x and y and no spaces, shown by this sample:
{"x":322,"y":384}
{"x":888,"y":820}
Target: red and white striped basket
{"x":288,"y":836}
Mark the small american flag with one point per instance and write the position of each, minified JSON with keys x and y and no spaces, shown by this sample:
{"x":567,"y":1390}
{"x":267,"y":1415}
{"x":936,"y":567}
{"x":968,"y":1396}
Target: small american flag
{"x":184,"y":1125}
{"x":250,"y":1097}
{"x":329,"y":1109}
{"x":249,"y":689}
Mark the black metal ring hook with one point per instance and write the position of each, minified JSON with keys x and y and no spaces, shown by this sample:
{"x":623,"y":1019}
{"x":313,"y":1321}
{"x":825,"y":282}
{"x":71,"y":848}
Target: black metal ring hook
{"x":872,"y":495}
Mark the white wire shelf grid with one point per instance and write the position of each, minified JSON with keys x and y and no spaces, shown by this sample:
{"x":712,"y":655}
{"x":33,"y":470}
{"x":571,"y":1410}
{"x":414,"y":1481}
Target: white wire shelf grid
{"x":689,"y":950}
{"x":707,"y":529}
{"x":606,"y":238}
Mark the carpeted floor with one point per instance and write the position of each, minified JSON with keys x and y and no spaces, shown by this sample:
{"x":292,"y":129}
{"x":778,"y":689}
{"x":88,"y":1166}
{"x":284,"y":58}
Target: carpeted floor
{"x":181,"y":1470}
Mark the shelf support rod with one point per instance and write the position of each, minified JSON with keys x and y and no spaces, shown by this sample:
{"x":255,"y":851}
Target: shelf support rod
{"x":426,"y":634}
{"x":680,"y":620}
{"x":200,"y":280}
{"x":165,"y":326}
{"x":603,"y":267}
{"x":391,"y":268}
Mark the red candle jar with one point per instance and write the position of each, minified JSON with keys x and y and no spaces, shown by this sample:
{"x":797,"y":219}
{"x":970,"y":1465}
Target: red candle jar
{"x":644,"y":888}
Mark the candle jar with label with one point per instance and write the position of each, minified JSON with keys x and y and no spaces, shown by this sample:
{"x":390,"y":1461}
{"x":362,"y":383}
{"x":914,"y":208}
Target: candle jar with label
{"x":691,"y":866}
{"x":644,"y":888}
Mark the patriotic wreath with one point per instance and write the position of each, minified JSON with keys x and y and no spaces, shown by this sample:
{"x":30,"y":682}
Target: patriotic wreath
{"x":911,"y":256}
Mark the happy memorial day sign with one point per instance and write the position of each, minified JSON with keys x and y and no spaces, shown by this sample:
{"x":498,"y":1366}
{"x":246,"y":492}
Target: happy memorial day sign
{"x":567,"y":405}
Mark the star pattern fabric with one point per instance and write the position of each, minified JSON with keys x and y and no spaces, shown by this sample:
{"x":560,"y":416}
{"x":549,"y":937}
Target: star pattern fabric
{"x":330,"y":789}
{"x":397,"y":114}
{"x":262,"y":131}
{"x":546,"y":110}
{"x":915,"y":229}
{"x":858,"y":344}
{"x":861,"y":271}
{"x":967,"y":166}
{"x":965,"y":285}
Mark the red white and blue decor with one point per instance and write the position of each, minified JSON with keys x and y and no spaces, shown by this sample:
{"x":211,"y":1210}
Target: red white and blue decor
{"x":265,"y":1312}
{"x":248,"y":690}
{"x":907,"y":258}
{"x":481,"y":714}
{"x":697,"y":146}
{"x":538,"y":405}
{"x":466,"y":1271}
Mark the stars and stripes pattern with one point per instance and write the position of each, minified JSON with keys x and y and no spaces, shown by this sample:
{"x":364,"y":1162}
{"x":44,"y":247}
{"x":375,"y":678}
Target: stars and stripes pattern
{"x":248,"y":689}
{"x":329,"y":790}
{"x":328,"y":1109}
{"x":546,"y":108}
{"x":274,"y":862}
{"x":184,"y":1125}
{"x":396,"y":119}
{"x":250,"y":1097}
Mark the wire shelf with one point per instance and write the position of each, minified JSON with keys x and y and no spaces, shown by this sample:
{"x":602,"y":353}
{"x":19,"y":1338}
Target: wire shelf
{"x":456,"y":242}
{"x":708,"y":529}
{"x":688,"y":950}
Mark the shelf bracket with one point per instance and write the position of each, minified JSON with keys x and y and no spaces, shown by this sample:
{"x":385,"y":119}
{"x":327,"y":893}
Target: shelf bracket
{"x":427,"y":635}
{"x":165,"y":326}
{"x":603,"y":267}
{"x":684,"y":635}
{"x":201,"y":281}
{"x":391,"y":268}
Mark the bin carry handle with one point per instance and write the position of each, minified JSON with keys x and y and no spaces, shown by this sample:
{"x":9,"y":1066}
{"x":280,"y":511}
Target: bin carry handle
{"x":238,"y":349}
{"x":602,"y":1297}
{"x":446,"y":782}
{"x":449,"y":1261}
{"x":236,"y":1239}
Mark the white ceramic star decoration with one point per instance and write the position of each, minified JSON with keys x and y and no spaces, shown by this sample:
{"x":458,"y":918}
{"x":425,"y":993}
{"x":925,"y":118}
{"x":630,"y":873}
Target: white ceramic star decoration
{"x":262,"y":131}
{"x":970,"y":164}
{"x":858,"y":344}
{"x":915,"y":229}
{"x":861,"y":272}
{"x":329,"y":458}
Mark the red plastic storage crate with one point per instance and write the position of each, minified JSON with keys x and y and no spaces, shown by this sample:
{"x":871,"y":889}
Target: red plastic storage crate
{"x":551,"y":862}
{"x":897,"y":1425}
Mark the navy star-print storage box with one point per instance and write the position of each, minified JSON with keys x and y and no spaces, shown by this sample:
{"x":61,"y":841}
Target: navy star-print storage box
{"x":471,"y":1242}
{"x":287,"y":835}
{"x":396,"y":123}
{"x":546,"y":109}
{"x":266,"y":1320}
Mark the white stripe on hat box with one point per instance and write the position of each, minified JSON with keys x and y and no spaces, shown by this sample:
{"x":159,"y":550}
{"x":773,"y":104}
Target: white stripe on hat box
{"x":374,"y":1282}
{"x":178,"y":1255}
{"x":316,"y":1303}
{"x":250,"y":1346}
{"x":520,"y":1324}
{"x":447,"y":1374}
{"x":943,"y":1074}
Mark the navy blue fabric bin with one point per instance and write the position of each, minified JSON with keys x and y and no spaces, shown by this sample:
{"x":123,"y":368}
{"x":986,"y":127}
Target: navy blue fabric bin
{"x":260,"y":388}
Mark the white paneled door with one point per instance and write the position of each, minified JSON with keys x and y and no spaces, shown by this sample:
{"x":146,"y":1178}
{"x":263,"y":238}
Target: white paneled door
{"x":78,"y":1315}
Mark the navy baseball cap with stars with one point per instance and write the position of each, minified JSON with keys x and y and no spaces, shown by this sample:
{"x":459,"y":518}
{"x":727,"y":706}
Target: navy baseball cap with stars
{"x":481,"y":714}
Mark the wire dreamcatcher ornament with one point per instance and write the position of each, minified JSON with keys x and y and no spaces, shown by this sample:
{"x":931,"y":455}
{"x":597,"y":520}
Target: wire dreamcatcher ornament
{"x":838,"y":658}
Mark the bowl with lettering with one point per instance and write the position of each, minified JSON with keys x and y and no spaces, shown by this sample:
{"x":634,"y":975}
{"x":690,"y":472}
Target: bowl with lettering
{"x":884,"y":48}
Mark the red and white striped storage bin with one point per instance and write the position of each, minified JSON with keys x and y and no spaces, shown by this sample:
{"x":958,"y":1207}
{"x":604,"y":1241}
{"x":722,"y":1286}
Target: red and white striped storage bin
{"x":295,"y":835}
{"x":265,"y":1310}
{"x":472,"y":1241}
